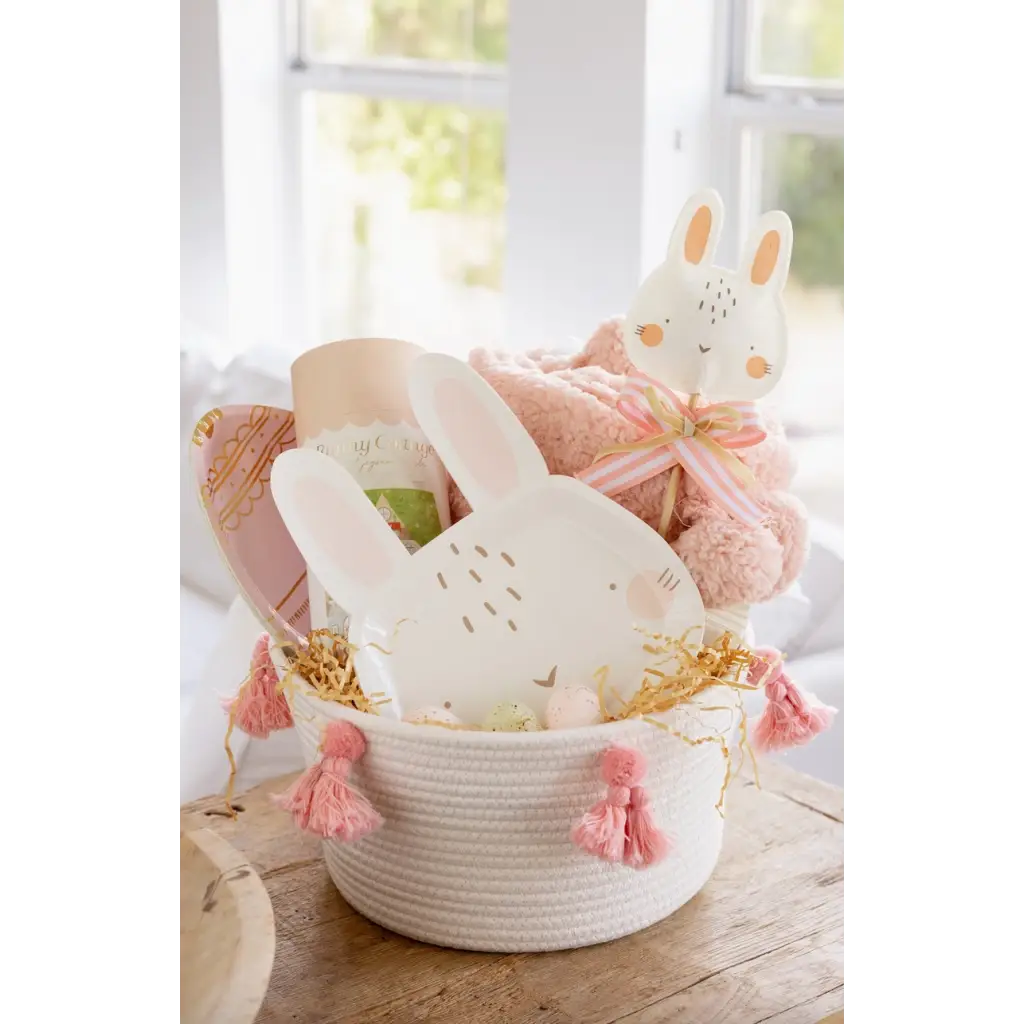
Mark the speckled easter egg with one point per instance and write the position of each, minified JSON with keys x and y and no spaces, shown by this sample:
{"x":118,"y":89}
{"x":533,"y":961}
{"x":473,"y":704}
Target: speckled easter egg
{"x":511,"y":717}
{"x":572,"y":707}
{"x":421,"y":715}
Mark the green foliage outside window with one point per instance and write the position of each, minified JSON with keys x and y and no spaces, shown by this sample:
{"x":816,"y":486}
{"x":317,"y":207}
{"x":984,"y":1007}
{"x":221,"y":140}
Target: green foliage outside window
{"x":454,"y":156}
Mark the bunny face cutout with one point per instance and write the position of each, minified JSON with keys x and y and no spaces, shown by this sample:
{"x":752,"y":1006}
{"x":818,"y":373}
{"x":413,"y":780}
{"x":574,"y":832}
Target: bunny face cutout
{"x":701,"y":329}
{"x":541,"y":586}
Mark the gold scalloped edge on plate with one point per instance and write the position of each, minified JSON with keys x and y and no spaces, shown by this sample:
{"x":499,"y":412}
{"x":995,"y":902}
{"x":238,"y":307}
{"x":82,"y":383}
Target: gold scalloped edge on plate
{"x":272,"y":627}
{"x":231,"y":518}
{"x":224,"y":462}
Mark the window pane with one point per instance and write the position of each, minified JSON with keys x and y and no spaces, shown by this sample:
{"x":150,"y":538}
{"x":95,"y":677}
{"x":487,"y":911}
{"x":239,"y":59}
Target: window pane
{"x":449,"y":30}
{"x":803,"y":175}
{"x":409,"y":221}
{"x":798,"y":39}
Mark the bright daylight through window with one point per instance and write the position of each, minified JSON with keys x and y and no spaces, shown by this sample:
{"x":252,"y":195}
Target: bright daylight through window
{"x":405,"y":200}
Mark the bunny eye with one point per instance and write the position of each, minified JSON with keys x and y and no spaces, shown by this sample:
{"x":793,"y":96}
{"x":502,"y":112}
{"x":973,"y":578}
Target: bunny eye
{"x":613,"y":586}
{"x":666,"y":319}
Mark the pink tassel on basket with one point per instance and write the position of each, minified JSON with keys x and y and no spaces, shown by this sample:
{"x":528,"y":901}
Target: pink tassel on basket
{"x":321,"y":801}
{"x":260,"y":708}
{"x":645,"y":843}
{"x":620,"y":828}
{"x":790,"y":716}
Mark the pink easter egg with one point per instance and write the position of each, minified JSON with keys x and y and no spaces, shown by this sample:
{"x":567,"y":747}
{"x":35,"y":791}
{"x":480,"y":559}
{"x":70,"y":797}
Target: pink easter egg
{"x":572,"y":707}
{"x":233,"y":451}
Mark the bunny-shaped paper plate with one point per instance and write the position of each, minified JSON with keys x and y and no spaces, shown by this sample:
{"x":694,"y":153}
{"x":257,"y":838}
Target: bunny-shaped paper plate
{"x":702,"y":329}
{"x":233,"y":451}
{"x":545,"y":583}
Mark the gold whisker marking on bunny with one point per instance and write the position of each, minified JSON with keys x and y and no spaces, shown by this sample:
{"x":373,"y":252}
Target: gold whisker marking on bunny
{"x":454,"y":548}
{"x":490,"y":607}
{"x":480,"y":551}
{"x":513,"y":593}
{"x":399,"y":624}
{"x":467,"y":624}
{"x":513,"y":626}
{"x":508,"y":558}
{"x":475,"y":575}
{"x":440,"y":579}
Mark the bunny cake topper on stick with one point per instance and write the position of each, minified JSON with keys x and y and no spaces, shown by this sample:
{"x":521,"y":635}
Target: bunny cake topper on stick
{"x":545,"y":583}
{"x":705,"y":332}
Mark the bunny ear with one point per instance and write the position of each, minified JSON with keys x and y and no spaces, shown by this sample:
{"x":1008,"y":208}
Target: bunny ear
{"x":695,"y":236}
{"x":766,"y":259}
{"x":480,"y":440}
{"x":345,"y":543}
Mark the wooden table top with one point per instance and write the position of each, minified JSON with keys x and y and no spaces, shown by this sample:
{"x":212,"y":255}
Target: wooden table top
{"x":762,"y":941}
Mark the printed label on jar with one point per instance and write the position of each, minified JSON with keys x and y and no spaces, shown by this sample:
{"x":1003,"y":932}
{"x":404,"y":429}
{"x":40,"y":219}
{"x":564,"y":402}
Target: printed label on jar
{"x":402,"y":475}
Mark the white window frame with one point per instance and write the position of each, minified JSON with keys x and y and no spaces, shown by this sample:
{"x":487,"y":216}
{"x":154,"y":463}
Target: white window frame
{"x":745,"y":106}
{"x":474,"y":85}
{"x":599,"y":156}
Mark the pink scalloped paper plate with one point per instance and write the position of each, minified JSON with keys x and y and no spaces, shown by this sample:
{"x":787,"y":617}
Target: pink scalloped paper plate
{"x":234,"y":449}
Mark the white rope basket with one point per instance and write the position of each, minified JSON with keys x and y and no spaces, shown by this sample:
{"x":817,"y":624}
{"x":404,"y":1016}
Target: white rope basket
{"x":475,"y":851}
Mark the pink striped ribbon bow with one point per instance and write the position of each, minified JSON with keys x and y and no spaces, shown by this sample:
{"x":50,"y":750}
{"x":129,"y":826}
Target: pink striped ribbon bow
{"x":697,"y":440}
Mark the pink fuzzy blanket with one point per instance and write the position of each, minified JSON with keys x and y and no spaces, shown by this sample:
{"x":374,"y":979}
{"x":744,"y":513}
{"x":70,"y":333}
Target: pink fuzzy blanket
{"x":567,"y":403}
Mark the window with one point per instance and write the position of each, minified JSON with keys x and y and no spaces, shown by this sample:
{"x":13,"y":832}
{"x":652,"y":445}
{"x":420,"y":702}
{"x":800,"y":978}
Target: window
{"x":430,"y":214}
{"x":782,"y":100}
{"x":403,"y":114}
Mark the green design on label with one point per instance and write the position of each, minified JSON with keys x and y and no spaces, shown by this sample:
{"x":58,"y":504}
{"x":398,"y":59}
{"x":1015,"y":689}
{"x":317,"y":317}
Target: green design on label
{"x":412,"y":513}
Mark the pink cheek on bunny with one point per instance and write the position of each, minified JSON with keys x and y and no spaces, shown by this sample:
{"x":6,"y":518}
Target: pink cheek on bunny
{"x":757,"y":367}
{"x":646,"y":599}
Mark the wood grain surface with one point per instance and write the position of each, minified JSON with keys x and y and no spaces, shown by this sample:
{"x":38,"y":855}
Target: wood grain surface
{"x":763,"y":941}
{"x":227,"y":933}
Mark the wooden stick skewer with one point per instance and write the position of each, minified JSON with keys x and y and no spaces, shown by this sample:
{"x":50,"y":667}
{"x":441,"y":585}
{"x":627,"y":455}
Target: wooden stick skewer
{"x":669,"y":504}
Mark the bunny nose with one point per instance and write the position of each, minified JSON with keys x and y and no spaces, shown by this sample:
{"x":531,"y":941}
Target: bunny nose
{"x":703,"y":350}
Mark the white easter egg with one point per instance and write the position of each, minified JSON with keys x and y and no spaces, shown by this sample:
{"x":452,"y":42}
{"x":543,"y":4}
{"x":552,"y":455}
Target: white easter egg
{"x":511,"y":717}
{"x":430,"y":714}
{"x":572,"y":707}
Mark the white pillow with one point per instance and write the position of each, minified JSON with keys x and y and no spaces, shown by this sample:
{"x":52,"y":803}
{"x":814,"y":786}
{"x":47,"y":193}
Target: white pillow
{"x":778,"y":621}
{"x":823,"y":583}
{"x":201,"y":566}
